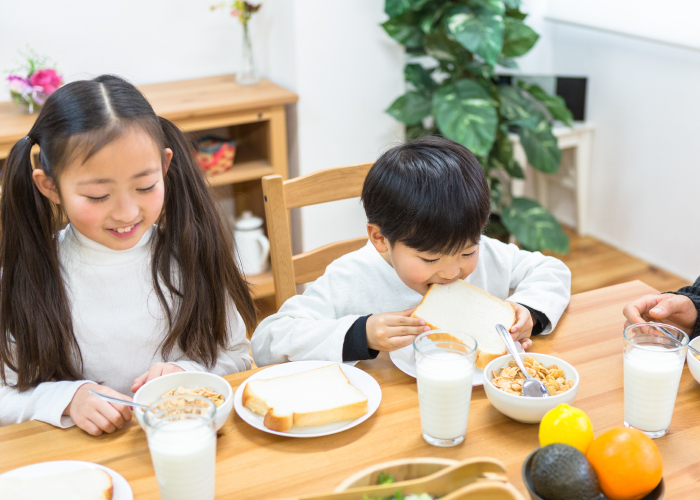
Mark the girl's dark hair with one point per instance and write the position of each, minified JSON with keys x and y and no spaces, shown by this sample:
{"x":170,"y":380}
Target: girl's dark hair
{"x":429,"y":194}
{"x":193,"y":262}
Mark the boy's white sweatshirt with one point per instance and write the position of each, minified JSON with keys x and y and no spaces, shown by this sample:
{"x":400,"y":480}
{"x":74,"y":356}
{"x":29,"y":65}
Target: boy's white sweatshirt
{"x":313,"y":325}
{"x":118,"y":323}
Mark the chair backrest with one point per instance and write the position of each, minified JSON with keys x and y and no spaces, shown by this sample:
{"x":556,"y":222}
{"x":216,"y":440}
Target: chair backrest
{"x":280,"y":196}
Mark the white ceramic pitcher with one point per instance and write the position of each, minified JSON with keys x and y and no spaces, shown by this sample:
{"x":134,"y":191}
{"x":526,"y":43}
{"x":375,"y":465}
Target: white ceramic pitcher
{"x":251,"y":244}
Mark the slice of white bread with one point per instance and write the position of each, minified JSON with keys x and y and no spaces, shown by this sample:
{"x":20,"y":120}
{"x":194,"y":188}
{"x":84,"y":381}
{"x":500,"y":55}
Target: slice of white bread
{"x":85,"y":484}
{"x":462,"y":307}
{"x":313,"y":397}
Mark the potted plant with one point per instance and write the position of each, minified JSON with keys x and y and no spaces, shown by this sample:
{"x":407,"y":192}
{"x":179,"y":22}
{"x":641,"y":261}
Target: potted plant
{"x":457,"y":94}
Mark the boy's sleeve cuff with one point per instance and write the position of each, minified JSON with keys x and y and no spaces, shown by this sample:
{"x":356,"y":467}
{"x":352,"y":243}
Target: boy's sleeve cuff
{"x":355,"y":346}
{"x":542,"y":320}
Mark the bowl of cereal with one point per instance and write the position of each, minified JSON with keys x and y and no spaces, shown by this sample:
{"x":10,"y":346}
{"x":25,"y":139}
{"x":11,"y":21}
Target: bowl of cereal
{"x":693,"y":360}
{"x":503,"y":385}
{"x":183,"y":383}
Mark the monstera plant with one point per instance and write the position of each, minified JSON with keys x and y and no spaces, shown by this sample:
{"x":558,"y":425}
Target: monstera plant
{"x":453,"y":49}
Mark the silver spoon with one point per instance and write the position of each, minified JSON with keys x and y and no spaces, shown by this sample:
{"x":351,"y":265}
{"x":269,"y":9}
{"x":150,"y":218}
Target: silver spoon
{"x":532,"y":388}
{"x":672,"y":336}
{"x":118,"y":401}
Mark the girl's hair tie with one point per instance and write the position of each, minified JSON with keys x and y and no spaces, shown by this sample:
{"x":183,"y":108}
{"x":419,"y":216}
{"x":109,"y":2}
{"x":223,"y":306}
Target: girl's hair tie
{"x":29,"y":139}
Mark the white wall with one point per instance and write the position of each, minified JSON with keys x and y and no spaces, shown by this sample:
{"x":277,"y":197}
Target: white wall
{"x":335,"y":55}
{"x":643,"y":99}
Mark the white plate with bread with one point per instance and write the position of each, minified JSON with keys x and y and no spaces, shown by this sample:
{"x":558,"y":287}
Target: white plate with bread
{"x":459,"y":306}
{"x":64,"y":480}
{"x":307,"y":398}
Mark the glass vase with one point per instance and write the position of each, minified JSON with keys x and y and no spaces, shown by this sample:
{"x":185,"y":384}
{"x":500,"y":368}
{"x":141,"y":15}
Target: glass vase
{"x":248,"y":74}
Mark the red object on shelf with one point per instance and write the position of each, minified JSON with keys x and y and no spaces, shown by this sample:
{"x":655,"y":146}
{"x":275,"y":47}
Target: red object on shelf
{"x":214,"y":155}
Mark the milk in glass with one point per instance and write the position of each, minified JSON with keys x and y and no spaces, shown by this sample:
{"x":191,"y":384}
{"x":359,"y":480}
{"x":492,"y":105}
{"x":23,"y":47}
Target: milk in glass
{"x":651,"y":378}
{"x":444,"y":391}
{"x":184,"y":459}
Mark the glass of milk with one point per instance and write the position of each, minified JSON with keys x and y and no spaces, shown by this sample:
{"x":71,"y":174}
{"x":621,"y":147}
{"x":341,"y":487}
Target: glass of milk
{"x":445,"y":368}
{"x":653,"y":363}
{"x":182,"y":442}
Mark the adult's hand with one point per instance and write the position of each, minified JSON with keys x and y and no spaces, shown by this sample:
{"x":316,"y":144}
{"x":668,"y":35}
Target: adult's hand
{"x":668,"y":308}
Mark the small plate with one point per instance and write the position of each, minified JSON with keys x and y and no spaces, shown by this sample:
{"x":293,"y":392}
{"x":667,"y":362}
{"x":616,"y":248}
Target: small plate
{"x":360,"y":379}
{"x":404,"y":359}
{"x":120,"y":487}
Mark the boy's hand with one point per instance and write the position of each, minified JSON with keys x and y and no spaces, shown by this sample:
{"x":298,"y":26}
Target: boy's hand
{"x":156,"y":371}
{"x":94,"y":415}
{"x":669,"y":308}
{"x":393,"y":330}
{"x":522,"y":329}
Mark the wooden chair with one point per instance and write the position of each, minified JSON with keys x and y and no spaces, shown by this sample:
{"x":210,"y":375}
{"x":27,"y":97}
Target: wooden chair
{"x":280,"y":196}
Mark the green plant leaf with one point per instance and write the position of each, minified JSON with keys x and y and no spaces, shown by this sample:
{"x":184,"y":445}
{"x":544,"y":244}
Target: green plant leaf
{"x":442,"y":48}
{"x":410,"y":108}
{"x":495,"y":6}
{"x":431,"y":19}
{"x":518,"y":38}
{"x":518,"y":108}
{"x":405,"y":29}
{"x":420,"y":78}
{"x":510,"y":4}
{"x":478,"y":30}
{"x":502,"y":156}
{"x":464,"y":113}
{"x":516,"y":14}
{"x":395,"y":8}
{"x":541,"y":147}
{"x":554,"y":103}
{"x":507,"y":63}
{"x":533,"y":226}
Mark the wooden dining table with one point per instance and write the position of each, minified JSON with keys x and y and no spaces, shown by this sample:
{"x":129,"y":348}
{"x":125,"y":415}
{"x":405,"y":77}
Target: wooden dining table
{"x":252,"y":464}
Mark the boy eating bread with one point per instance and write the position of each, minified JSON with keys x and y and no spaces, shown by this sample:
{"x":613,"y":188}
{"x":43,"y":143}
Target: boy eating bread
{"x":427,"y":204}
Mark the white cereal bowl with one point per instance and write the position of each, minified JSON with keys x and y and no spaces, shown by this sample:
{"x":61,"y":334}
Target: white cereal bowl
{"x":693,"y":362}
{"x":153,"y":390}
{"x":528,"y":410}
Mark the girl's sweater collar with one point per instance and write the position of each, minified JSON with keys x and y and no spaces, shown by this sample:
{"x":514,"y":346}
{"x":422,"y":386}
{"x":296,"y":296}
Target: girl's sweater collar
{"x":91,"y":252}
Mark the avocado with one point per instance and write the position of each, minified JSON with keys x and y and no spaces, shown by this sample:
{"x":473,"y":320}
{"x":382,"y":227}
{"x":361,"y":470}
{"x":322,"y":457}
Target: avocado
{"x":561,"y":472}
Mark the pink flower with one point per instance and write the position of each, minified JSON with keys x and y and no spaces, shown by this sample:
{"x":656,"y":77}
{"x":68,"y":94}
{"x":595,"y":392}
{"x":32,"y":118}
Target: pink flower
{"x":47,"y":79}
{"x":19,"y":84}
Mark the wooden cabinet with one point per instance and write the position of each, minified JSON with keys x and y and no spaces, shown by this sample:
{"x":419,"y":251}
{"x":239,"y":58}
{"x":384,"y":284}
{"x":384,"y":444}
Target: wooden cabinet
{"x":253,"y":115}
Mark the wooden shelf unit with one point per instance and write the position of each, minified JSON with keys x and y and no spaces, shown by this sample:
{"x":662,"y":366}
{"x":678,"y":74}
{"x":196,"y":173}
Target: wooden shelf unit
{"x":252,"y":115}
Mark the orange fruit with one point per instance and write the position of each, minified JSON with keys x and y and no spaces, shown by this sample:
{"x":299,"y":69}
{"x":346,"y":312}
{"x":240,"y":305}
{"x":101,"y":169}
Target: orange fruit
{"x":627,"y":462}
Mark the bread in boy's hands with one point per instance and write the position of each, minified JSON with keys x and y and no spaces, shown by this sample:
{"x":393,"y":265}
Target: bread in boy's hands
{"x":85,"y":484}
{"x":313,"y":397}
{"x":461,"y":307}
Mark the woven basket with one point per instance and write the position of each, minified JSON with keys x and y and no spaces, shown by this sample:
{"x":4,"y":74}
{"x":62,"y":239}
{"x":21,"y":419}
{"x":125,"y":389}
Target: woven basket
{"x":214,"y":155}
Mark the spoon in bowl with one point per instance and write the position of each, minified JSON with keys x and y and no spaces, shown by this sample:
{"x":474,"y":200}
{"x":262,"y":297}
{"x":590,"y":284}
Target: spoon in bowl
{"x":532,"y":388}
{"x":118,"y":401}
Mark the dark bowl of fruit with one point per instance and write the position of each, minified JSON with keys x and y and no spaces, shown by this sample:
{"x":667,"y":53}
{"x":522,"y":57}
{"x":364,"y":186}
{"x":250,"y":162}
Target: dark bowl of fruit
{"x":561,"y":472}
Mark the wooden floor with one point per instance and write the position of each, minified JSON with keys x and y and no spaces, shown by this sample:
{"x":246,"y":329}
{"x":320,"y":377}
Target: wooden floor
{"x":593,"y":265}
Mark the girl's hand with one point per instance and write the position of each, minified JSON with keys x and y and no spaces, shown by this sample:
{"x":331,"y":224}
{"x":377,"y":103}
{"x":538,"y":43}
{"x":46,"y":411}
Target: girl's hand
{"x":156,"y":371}
{"x":669,"y":308}
{"x":94,"y":415}
{"x":522,"y":329}
{"x":393,"y":330}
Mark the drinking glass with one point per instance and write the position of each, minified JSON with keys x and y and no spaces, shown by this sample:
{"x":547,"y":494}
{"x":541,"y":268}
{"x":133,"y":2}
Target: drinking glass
{"x":653,"y":359}
{"x":445,"y":369}
{"x":182,"y":442}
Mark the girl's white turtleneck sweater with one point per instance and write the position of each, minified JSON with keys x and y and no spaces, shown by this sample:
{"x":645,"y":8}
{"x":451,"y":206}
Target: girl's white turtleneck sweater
{"x":119,"y":325}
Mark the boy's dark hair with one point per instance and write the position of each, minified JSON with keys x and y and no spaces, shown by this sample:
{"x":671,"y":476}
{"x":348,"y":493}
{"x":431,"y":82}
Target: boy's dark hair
{"x":429,"y":194}
{"x":193,"y":270}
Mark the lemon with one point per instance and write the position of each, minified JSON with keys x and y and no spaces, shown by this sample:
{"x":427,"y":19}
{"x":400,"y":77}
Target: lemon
{"x":568,"y":425}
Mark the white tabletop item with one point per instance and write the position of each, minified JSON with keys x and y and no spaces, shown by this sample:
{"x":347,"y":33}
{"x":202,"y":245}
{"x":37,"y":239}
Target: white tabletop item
{"x":252,"y":246}
{"x":445,"y":363}
{"x":120,"y":487}
{"x":653,"y":363}
{"x":360,"y":379}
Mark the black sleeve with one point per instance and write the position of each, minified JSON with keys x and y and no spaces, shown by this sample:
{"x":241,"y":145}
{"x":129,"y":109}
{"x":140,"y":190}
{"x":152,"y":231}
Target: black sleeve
{"x":693,"y":293}
{"x":542,"y":320}
{"x":355,"y":344}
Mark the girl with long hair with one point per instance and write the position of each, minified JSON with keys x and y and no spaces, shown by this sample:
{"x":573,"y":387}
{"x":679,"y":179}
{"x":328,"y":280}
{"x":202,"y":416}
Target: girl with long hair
{"x":140,"y":283}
